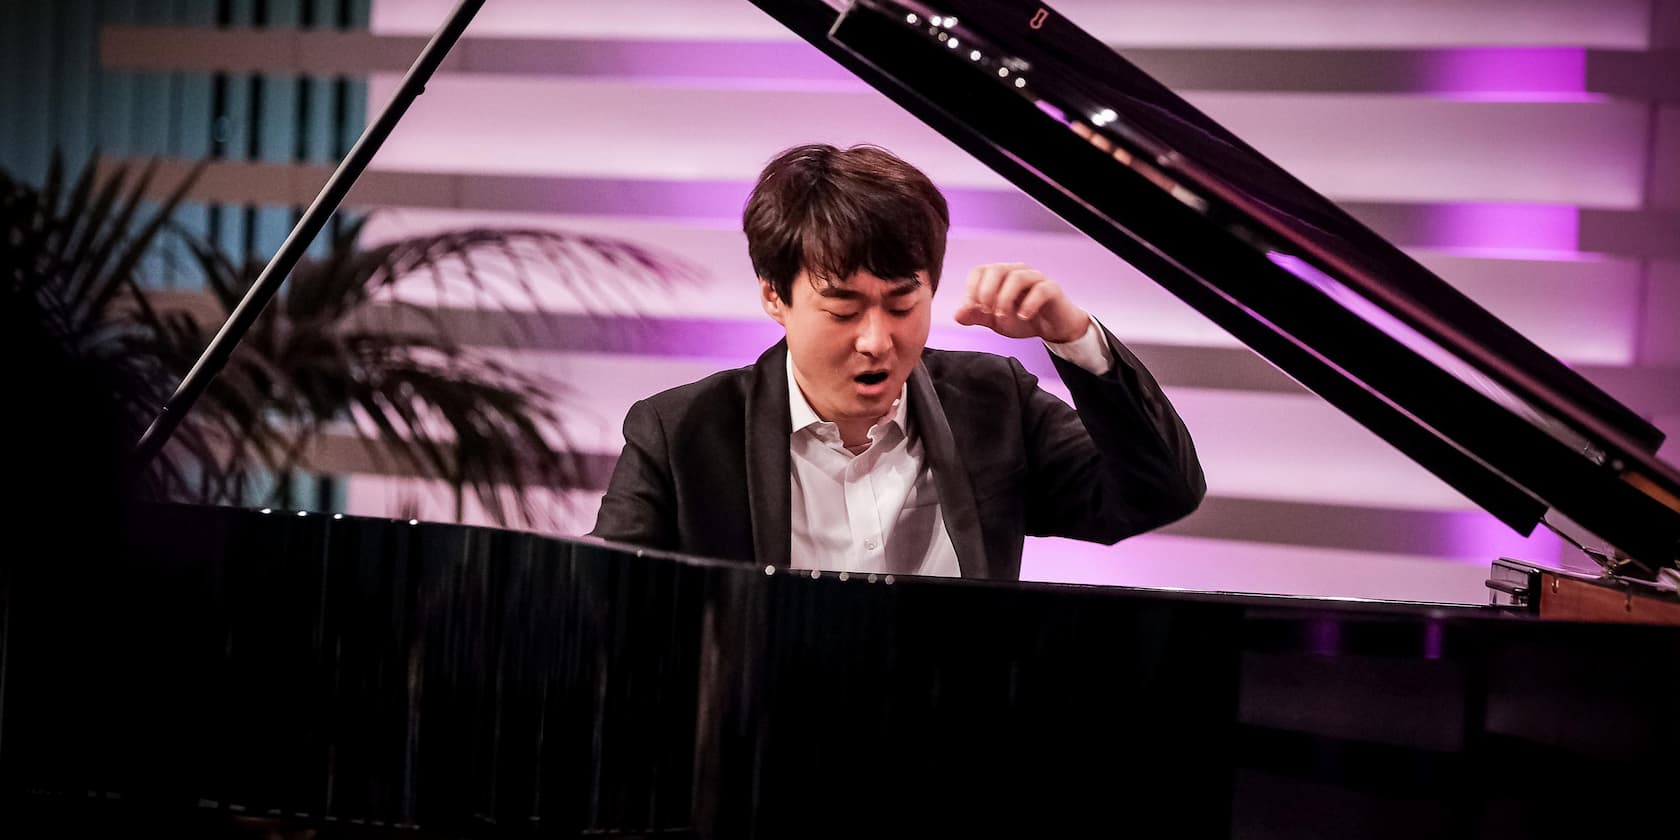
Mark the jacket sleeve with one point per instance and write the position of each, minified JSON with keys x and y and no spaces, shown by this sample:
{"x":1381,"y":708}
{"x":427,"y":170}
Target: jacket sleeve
{"x":639,"y":507}
{"x":1122,"y":464}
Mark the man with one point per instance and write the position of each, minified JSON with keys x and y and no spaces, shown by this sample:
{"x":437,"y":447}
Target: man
{"x":849,"y":447}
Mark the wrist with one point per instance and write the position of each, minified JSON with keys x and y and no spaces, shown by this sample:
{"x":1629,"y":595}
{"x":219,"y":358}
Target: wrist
{"x":1073,"y":330}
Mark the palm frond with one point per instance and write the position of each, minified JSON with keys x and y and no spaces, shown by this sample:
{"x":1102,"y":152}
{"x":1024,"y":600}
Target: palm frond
{"x":356,"y":338}
{"x":346,"y":343}
{"x":68,"y":257}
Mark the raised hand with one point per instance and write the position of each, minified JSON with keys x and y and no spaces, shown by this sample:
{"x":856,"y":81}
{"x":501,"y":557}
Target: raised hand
{"x":1016,"y":301}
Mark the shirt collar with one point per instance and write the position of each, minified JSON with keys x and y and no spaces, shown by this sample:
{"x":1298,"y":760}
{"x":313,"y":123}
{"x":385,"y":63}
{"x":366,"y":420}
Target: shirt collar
{"x":804,"y":416}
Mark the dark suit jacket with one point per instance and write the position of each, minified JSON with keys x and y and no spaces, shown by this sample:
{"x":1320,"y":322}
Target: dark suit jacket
{"x":706,"y":469}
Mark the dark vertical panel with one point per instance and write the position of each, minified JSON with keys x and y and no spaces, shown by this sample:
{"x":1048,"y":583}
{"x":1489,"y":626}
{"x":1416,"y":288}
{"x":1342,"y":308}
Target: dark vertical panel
{"x":353,"y":116}
{"x":233,"y":132}
{"x":32,"y":148}
{"x":74,"y":65}
{"x":316,"y":108}
{"x":116,"y":90}
{"x":11,"y":86}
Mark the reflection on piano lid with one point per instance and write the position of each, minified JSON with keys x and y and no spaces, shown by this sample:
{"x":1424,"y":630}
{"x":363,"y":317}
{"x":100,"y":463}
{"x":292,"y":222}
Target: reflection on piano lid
{"x":1279,"y":266}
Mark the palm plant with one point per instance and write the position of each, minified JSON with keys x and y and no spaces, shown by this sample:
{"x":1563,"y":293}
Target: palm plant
{"x":339,"y":349}
{"x":70,"y":257}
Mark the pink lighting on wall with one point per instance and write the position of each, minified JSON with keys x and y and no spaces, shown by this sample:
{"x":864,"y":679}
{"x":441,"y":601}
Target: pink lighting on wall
{"x":1548,"y":73}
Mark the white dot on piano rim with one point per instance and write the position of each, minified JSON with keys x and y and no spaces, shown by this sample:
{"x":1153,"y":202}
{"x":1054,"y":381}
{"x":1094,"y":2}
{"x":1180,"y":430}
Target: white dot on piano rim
{"x":950,"y":21}
{"x":267,"y":510}
{"x":889,"y":579}
{"x":769,"y":570}
{"x":1020,"y":82}
{"x":936,"y":20}
{"x":338,"y":516}
{"x":1003,"y":71}
{"x":974,"y":56}
{"x":871,"y":577}
{"x":943,"y":36}
{"x":845,"y":576}
{"x":951,"y":43}
{"x":911,"y":18}
{"x":816,"y":573}
{"x":414,"y":522}
{"x":303,"y":513}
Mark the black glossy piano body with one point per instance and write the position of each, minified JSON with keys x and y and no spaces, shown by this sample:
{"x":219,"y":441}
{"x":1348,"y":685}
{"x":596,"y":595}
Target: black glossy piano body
{"x":238,"y":673}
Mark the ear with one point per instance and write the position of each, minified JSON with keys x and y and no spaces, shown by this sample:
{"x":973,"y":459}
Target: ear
{"x":772,"y":302}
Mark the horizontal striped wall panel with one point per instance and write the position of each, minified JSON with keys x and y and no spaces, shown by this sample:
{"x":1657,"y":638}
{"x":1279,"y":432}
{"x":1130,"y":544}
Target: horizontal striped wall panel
{"x":1618,"y":24}
{"x":1253,"y":444}
{"x":1651,"y":391}
{"x":1482,"y":72}
{"x":1584,"y":311}
{"x":1540,"y":230}
{"x":1350,"y":147}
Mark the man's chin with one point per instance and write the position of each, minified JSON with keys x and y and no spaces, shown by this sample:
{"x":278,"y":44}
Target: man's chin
{"x":859,"y":407}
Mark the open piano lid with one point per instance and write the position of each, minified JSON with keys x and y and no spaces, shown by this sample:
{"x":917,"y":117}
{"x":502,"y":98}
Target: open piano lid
{"x":1332,"y":304}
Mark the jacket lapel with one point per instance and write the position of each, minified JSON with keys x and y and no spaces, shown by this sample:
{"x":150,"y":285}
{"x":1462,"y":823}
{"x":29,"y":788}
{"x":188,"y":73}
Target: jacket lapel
{"x":956,"y":494}
{"x":769,"y":488}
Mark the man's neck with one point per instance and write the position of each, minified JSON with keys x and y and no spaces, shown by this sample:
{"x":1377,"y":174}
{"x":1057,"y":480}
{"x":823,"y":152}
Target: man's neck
{"x":854,"y":434}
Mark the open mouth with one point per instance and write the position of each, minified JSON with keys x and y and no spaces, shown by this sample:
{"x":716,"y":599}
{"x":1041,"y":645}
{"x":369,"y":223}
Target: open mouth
{"x":871,"y":378}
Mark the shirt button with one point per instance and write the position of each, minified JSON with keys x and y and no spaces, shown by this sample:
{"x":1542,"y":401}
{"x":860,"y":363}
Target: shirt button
{"x":869,"y":545}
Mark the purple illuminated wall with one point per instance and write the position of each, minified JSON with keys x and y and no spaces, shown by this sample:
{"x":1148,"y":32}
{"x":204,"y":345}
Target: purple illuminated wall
{"x":1487,"y":139}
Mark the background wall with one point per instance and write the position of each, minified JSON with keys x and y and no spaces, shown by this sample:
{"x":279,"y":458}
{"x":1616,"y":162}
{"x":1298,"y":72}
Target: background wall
{"x":1528,"y":152}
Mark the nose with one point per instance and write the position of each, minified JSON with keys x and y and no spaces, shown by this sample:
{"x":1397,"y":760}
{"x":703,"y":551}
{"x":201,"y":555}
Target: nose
{"x":874,"y":336}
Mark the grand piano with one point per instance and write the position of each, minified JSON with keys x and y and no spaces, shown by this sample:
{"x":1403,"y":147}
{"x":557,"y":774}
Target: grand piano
{"x":226,"y":672}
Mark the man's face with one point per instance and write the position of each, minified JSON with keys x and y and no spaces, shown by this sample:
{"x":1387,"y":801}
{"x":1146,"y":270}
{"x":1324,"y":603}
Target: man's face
{"x":853,"y":342}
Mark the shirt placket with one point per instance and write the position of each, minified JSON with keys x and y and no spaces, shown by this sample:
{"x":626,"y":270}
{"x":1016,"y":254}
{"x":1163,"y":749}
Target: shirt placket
{"x":868,"y":543}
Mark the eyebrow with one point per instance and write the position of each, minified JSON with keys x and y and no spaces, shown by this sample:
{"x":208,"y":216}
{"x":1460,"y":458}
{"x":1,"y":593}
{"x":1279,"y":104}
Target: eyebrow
{"x":900,"y":290}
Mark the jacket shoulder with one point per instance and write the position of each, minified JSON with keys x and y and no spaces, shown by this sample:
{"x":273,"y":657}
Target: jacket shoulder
{"x":707,"y":395}
{"x":973,"y":371}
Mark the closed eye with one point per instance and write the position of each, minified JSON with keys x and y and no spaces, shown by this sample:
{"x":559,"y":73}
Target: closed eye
{"x":841,"y":316}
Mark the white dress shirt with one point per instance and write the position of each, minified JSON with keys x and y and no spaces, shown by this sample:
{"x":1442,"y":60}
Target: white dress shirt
{"x":878,"y":510}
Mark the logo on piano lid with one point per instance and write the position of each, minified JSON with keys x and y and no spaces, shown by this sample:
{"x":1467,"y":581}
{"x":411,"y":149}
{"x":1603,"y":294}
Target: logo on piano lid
{"x":1038,"y":17}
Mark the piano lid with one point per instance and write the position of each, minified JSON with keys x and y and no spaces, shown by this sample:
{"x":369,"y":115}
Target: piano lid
{"x":1331,"y":303}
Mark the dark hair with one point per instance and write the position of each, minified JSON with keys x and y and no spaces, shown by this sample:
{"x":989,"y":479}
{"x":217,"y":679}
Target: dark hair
{"x":832,"y":212}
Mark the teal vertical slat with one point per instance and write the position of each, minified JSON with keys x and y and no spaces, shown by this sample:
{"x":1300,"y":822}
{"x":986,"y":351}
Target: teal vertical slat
{"x":76,"y":49}
{"x":12,"y":74}
{"x":149,"y":137}
{"x":192,"y":129}
{"x":117,"y":91}
{"x":318,"y":135}
{"x":195,"y":12}
{"x":150,"y":112}
{"x":260,"y":488}
{"x":34,"y":57}
{"x":231,"y":129}
{"x":276,"y":132}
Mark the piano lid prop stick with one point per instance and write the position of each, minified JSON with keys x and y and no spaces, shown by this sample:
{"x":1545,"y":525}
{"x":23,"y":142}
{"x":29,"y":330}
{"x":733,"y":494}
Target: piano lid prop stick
{"x":326,"y":203}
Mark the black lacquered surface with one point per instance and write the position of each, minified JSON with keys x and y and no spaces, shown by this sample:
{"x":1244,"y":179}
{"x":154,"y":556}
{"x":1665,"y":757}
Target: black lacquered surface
{"x":362,"y":677}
